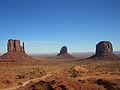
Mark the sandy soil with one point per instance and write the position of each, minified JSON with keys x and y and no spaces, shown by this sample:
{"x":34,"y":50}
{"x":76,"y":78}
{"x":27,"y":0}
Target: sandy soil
{"x":65,"y":72}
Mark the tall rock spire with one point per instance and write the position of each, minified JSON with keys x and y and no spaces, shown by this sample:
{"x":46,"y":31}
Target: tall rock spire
{"x":23,"y":48}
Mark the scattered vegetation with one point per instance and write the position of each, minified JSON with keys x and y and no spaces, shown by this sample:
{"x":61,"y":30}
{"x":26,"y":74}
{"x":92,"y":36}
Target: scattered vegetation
{"x":68,"y":68}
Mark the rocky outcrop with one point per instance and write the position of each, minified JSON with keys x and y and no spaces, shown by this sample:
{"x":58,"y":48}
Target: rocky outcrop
{"x":16,"y":53}
{"x":59,"y":82}
{"x":63,"y":50}
{"x":14,"y":46}
{"x":64,"y":53}
{"x":104,"y":47}
{"x":104,"y":51}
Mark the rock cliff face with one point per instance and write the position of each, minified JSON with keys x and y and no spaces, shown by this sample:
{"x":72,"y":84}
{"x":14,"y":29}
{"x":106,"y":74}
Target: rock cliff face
{"x":64,"y":53}
{"x":14,"y":46}
{"x":16,"y":53}
{"x":63,"y":50}
{"x":104,"y":51}
{"x":104,"y":47}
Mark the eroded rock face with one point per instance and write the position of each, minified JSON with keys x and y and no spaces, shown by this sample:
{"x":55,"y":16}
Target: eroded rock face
{"x":63,"y":50}
{"x":104,"y":51}
{"x":10,"y":45}
{"x":14,"y":46}
{"x":16,"y":54}
{"x":104,"y":47}
{"x":64,"y":53}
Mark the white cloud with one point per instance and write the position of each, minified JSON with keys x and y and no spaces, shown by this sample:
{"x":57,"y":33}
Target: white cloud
{"x":38,"y":42}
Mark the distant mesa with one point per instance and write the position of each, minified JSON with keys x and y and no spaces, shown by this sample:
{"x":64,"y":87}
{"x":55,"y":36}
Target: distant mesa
{"x":63,"y":50}
{"x":104,"y":51}
{"x":64,"y":53}
{"x":16,"y":53}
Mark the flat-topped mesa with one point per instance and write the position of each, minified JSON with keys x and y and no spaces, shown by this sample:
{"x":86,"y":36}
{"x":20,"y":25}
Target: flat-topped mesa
{"x":64,"y":52}
{"x":104,"y":51}
{"x":14,"y":46}
{"x":104,"y":47}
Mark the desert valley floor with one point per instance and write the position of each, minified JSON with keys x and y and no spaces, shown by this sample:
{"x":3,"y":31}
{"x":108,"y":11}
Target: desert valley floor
{"x":53,"y":73}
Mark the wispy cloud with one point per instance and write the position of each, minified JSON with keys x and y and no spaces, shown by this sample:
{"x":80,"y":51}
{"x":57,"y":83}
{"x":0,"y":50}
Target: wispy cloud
{"x":38,"y":42}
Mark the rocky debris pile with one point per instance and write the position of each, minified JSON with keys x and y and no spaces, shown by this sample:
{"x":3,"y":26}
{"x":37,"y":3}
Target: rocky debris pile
{"x":16,"y":53}
{"x":64,"y":53}
{"x":104,"y":51}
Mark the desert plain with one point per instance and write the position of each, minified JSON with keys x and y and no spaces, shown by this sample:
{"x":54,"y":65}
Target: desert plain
{"x":53,"y":73}
{"x":64,"y":71}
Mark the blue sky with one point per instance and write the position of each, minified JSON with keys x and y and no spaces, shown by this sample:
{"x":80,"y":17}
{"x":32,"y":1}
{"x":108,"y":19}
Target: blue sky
{"x":46,"y":25}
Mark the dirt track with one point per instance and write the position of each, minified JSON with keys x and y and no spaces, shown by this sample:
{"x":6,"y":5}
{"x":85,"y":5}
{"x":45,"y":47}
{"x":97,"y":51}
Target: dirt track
{"x":26,"y":82}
